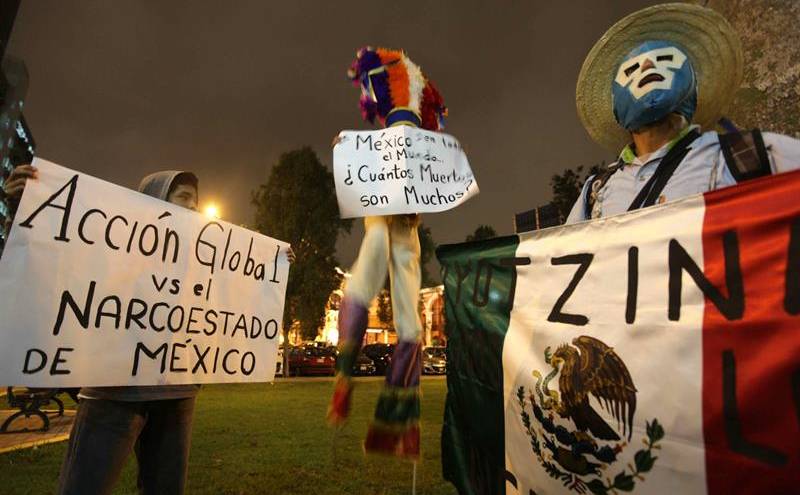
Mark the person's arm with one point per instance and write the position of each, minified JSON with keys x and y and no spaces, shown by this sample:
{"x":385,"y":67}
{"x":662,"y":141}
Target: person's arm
{"x":578,"y":212}
{"x":14,"y":186}
{"x":15,"y":183}
{"x":783,"y":151}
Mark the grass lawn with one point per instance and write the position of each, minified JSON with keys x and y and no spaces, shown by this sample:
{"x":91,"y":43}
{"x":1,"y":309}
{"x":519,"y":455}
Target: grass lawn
{"x":261,"y":438}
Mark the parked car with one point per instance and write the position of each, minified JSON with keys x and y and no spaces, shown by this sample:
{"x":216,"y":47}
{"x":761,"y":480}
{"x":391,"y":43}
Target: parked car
{"x":312,"y":360}
{"x":363,"y":365}
{"x":381,"y":356}
{"x":434,"y":360}
{"x":279,"y":362}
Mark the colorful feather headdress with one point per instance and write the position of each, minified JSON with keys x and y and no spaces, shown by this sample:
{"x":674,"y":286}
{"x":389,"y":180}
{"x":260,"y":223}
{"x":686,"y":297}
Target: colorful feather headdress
{"x":394,"y":90}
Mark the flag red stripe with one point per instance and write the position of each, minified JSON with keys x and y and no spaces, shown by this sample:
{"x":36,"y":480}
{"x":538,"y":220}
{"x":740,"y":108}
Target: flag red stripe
{"x":752,"y":445}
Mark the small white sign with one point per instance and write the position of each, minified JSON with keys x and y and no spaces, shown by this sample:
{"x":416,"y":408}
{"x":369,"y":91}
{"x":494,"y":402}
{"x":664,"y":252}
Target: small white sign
{"x":103,"y":286}
{"x":400,"y":170}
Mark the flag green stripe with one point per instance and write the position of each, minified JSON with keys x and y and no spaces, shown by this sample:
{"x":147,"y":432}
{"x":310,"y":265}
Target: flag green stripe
{"x":479,"y":280}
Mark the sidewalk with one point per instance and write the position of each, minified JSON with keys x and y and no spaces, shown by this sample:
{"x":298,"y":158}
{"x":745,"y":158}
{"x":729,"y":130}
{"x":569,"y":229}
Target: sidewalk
{"x":18,"y":439}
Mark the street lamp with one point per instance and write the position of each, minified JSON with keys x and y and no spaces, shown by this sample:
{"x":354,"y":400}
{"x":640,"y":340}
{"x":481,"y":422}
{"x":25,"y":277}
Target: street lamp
{"x":211,"y":211}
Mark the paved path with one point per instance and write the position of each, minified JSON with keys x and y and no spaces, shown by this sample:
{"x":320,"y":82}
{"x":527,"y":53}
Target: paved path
{"x":17,"y":438}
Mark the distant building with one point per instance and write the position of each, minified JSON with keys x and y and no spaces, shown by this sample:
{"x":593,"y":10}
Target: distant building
{"x":431,"y":308}
{"x":538,"y":218}
{"x":432,"y":315}
{"x":330,"y":331}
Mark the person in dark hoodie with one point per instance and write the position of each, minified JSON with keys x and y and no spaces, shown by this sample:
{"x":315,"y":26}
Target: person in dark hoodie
{"x":155,"y":422}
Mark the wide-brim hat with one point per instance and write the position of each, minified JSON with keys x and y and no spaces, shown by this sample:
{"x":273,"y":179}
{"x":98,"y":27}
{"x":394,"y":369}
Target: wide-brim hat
{"x":708,"y":40}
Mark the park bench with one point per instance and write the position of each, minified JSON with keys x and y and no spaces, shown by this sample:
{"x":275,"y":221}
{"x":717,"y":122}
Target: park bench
{"x":30,"y":402}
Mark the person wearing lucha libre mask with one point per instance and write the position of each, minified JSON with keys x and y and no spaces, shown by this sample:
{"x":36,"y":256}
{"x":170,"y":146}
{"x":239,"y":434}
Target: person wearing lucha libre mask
{"x":394,"y":92}
{"x":654,"y":86}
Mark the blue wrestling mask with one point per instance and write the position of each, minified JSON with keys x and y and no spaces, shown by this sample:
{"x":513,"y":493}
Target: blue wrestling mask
{"x":654,"y":80}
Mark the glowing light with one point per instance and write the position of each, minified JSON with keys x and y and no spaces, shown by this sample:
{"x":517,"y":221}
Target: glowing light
{"x":211,"y":211}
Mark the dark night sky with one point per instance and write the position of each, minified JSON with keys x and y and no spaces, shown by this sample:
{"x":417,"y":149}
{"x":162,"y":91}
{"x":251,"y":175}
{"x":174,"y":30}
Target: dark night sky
{"x":121,"y":89}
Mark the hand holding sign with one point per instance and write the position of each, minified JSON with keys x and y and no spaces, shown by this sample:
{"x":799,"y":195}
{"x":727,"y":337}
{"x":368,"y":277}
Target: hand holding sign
{"x":400,"y":170}
{"x":15,"y":183}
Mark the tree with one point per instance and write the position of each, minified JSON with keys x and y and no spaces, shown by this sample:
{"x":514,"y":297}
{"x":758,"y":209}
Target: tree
{"x":481,"y":233}
{"x":567,"y":186}
{"x":298,"y":205}
{"x":768,"y":96}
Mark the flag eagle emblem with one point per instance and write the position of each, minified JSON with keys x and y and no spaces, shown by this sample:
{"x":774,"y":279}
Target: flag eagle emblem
{"x":579,"y":454}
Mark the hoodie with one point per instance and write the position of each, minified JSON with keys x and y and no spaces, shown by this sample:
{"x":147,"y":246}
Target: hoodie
{"x":157,"y":185}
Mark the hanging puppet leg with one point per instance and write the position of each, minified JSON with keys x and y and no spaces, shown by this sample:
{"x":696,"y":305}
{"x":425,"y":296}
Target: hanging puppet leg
{"x":368,"y":276}
{"x":395,"y":428}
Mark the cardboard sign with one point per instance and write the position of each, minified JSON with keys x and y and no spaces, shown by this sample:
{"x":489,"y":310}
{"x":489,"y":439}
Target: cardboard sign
{"x":400,"y":170}
{"x":102,"y":286}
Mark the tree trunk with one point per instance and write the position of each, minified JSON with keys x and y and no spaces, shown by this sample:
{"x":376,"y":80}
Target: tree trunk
{"x":286,"y":351}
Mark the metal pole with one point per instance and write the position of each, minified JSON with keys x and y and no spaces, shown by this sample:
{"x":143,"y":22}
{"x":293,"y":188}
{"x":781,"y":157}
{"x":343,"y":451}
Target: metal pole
{"x":414,"y":479}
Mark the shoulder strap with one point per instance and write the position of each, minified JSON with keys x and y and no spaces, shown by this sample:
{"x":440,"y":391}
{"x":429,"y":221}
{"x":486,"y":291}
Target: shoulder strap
{"x":597,"y":182}
{"x":653,"y":188}
{"x":745,"y":154}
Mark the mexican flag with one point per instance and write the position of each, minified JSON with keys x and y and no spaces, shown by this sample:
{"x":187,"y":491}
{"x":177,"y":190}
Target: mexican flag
{"x":652,"y":352}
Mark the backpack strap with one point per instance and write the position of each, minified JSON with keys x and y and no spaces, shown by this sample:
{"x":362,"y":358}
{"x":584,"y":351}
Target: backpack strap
{"x":666,"y":168}
{"x":596,"y":183}
{"x":745,"y":154}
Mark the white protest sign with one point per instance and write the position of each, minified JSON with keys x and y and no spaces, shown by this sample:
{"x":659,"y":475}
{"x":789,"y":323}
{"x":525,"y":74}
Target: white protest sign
{"x":100,"y":285}
{"x":400,"y":170}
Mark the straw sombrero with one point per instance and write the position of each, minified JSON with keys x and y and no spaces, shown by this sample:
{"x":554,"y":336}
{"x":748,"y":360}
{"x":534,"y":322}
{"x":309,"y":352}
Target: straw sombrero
{"x":705,"y":36}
